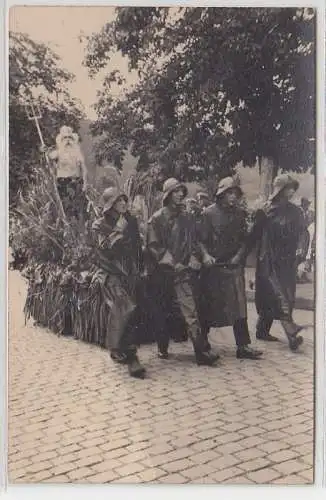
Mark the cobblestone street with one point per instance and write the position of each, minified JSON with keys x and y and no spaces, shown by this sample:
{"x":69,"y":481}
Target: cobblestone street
{"x":74,"y":416}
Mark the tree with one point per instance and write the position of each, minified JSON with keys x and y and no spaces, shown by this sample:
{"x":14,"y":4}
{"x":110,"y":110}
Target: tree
{"x":216,"y":86}
{"x":34,"y":71}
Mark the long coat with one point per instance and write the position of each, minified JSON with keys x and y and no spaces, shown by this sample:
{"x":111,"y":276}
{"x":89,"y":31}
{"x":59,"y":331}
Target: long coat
{"x":119,"y":263}
{"x":278,"y":230}
{"x":222,"y":297}
{"x":172,"y":239}
{"x":172,"y":236}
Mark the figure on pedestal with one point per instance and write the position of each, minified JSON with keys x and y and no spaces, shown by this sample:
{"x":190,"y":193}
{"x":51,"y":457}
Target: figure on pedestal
{"x":70,"y":172}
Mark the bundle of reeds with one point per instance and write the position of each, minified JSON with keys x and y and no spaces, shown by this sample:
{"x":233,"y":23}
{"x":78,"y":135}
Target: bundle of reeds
{"x":143,"y":185}
{"x":63,"y":292}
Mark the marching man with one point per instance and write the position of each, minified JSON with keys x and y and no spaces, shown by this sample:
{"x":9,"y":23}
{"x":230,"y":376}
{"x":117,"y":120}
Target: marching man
{"x":176,"y":257}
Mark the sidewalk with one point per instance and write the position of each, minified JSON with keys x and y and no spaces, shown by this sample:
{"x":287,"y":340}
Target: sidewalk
{"x":74,"y":416}
{"x":304,"y":294}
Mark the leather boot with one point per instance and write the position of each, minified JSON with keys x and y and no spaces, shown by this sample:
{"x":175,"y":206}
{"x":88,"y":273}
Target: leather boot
{"x":295,"y":342}
{"x":245,"y":352}
{"x":267,"y":337}
{"x":162,"y":354}
{"x":135,"y":368}
{"x":206,"y":358}
{"x":263,"y":327}
{"x":118,"y":357}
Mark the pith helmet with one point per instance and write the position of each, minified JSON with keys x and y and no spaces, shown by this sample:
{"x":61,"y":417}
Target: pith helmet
{"x":171,"y":185}
{"x":281,"y":182}
{"x":110,"y":196}
{"x":226,"y":184}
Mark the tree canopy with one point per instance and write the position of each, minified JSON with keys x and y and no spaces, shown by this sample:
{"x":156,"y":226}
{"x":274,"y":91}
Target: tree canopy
{"x":216,"y":86}
{"x":35,"y":73}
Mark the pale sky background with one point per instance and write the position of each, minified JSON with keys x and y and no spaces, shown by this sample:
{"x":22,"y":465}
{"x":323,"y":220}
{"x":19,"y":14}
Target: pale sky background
{"x":60,"y":27}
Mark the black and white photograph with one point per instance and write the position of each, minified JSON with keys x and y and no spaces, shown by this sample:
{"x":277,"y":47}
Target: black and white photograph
{"x":162,"y":245}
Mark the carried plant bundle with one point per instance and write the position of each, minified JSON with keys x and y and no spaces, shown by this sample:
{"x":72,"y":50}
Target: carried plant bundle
{"x":142,"y":191}
{"x":58,"y":261}
{"x":66,"y":302}
{"x":64,"y":294}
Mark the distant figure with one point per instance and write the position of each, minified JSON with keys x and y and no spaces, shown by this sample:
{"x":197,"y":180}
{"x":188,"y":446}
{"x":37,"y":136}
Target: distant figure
{"x":305,"y":241}
{"x":191,"y":206}
{"x":203,"y":200}
{"x":308,"y":214}
{"x":311,"y":255}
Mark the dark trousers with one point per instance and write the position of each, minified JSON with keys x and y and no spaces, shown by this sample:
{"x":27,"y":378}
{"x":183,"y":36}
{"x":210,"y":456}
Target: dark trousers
{"x":129,"y":338}
{"x":240,"y":332}
{"x":264,"y":324}
{"x":127,"y":348}
{"x":73,"y":198}
{"x":175,"y":297}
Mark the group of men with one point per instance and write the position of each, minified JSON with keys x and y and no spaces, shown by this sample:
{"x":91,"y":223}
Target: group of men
{"x":200,"y":258}
{"x":197,"y":265}
{"x":193,"y":255}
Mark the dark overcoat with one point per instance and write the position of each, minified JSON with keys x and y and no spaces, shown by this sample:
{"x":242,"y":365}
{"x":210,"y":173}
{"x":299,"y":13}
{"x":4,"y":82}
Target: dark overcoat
{"x":119,"y":264}
{"x":278,"y":230}
{"x":222,"y":297}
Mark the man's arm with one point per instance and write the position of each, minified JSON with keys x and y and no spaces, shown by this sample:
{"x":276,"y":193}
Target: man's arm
{"x":155,"y":245}
{"x":202,"y":231}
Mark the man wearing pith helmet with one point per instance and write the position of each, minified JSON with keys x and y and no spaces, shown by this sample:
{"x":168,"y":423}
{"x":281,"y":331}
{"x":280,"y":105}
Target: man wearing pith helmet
{"x":176,"y":256}
{"x":119,"y":262}
{"x":222,"y":300}
{"x":202,"y":200}
{"x":277,"y":232}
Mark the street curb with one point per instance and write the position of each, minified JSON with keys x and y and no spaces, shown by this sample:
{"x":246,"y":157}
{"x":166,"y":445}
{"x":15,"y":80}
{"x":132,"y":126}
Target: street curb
{"x":300,"y":303}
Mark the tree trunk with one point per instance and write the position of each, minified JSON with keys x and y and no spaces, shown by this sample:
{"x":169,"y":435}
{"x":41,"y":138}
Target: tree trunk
{"x":267,"y":171}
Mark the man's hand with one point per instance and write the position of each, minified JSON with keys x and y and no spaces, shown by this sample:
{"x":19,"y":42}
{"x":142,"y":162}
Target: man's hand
{"x":208,"y":260}
{"x":53,"y":154}
{"x":86,"y":187}
{"x":179,"y":267}
{"x":194,"y":263}
{"x":299,"y":257}
{"x":235,"y":261}
{"x":121,"y":223}
{"x":167,"y":260}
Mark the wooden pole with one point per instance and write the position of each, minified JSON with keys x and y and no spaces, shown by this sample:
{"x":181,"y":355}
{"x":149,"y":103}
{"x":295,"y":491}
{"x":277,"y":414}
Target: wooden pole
{"x":34,"y":117}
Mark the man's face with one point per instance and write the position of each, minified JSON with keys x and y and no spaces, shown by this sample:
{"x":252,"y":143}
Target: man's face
{"x":288,"y":193}
{"x":121,"y":205}
{"x":203,"y":202}
{"x":177,"y":197}
{"x":231,"y":197}
{"x":67,"y":141}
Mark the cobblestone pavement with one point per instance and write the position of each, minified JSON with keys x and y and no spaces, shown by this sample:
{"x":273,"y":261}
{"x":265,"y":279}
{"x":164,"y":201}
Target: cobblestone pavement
{"x":76,"y":417}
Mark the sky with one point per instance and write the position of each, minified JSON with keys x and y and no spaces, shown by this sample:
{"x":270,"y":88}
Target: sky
{"x":60,"y":27}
